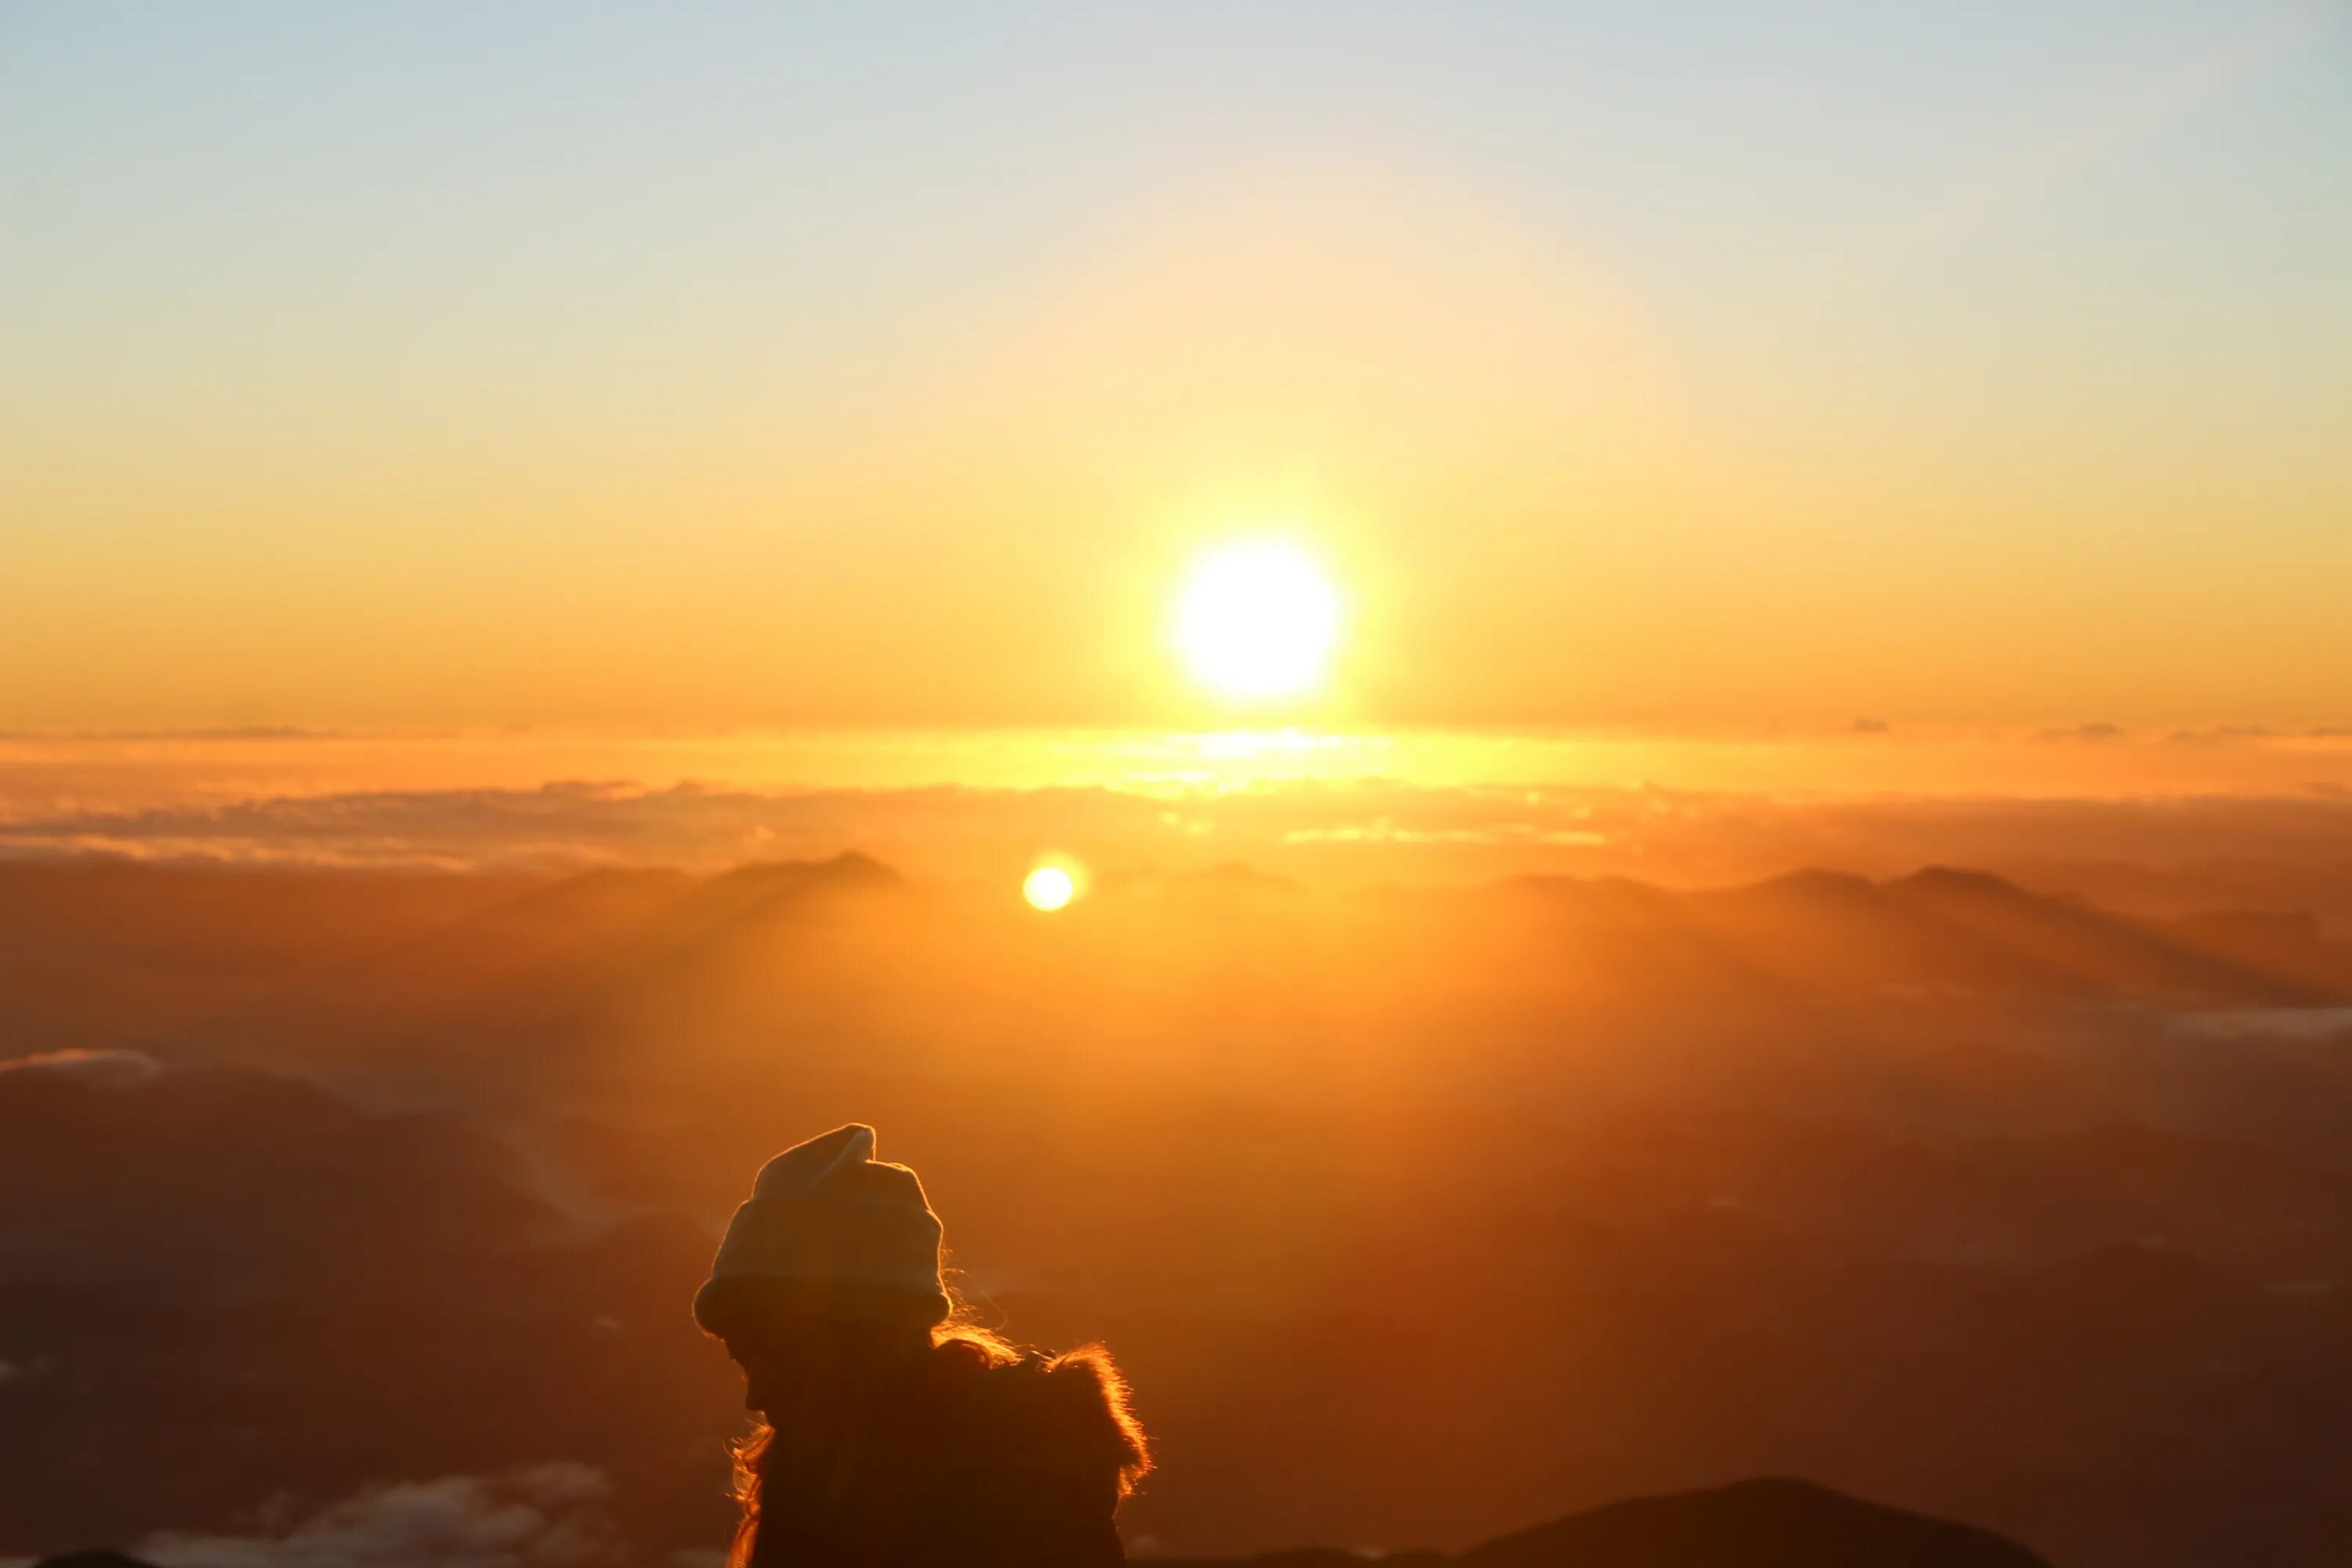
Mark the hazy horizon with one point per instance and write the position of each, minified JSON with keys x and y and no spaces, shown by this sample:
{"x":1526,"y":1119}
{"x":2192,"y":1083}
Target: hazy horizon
{"x":2063,"y":808}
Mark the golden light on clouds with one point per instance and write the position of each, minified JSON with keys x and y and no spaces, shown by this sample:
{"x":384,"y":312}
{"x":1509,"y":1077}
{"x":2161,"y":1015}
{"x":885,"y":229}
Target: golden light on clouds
{"x":1258,"y":620}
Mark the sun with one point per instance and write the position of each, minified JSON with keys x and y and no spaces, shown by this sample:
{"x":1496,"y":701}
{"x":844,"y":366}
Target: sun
{"x":1257,"y":620}
{"x":1049,"y":888}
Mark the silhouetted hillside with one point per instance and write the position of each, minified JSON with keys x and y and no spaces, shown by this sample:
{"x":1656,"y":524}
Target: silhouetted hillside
{"x":1768,"y":1523}
{"x":232,"y":1180}
{"x":97,"y":1559}
{"x":1753,"y":1524}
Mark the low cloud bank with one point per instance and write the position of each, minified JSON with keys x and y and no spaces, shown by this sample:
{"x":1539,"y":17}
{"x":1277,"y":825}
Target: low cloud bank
{"x":2291,"y":1024}
{"x":548,"y":1516}
{"x":99,"y":1067}
{"x":2157,"y":854}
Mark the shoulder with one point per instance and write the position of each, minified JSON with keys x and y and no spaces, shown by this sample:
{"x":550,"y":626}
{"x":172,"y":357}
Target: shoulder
{"x":1035,"y":1453}
{"x":1065,"y":1416}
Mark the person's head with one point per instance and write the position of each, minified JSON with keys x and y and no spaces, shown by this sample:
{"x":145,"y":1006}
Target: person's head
{"x":828,"y":1277}
{"x":827,"y":1293}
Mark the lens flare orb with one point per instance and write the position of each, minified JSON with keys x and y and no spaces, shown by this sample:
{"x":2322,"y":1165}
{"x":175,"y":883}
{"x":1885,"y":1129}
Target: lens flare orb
{"x":1049,"y":888}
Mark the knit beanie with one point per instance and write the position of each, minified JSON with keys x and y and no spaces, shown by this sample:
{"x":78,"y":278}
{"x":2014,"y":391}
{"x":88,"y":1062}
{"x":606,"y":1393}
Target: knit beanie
{"x":827,"y":1215}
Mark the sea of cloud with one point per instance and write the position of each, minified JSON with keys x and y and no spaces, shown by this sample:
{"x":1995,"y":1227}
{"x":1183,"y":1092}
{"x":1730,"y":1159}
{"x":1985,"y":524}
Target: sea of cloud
{"x":2233,"y":817}
{"x":546,"y":1516}
{"x":1341,"y":832}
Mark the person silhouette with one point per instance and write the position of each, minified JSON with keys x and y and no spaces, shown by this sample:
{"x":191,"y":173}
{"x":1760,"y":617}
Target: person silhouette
{"x":892,"y":1431}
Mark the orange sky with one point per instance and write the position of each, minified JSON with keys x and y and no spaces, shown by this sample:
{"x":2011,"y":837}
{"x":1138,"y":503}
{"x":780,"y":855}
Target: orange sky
{"x":347,"y":387}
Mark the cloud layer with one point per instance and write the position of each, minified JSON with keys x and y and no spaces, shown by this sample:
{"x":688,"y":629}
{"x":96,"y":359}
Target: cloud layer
{"x":548,"y":1516}
{"x":2157,"y":853}
{"x":107,"y":1067}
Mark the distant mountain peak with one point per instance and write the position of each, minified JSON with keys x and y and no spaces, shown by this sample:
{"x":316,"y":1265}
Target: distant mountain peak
{"x":1772,"y":1522}
{"x":1958,"y":881}
{"x":846,"y":870}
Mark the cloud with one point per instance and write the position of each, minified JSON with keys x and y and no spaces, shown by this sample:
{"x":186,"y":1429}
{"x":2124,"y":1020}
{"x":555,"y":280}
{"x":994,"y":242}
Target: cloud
{"x":2286,"y":848}
{"x":111,"y":1067}
{"x":219,"y":733}
{"x":2268,"y":1024}
{"x":1386,"y":830}
{"x":548,"y":1516}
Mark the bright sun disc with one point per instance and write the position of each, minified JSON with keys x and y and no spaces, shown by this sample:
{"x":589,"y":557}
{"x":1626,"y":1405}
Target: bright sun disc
{"x":1257,"y":620}
{"x":1049,"y":888}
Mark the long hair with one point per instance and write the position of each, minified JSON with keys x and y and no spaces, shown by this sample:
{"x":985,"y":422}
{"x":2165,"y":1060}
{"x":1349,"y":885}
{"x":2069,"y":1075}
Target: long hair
{"x":847,"y":1446}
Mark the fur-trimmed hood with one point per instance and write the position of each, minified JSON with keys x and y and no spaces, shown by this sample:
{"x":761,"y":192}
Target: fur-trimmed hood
{"x":1065,"y":1416}
{"x":1001,"y":1459}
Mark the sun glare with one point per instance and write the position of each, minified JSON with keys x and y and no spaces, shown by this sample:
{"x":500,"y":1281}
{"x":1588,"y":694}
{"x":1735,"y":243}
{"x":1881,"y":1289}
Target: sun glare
{"x":1257,"y":620}
{"x":1049,"y":888}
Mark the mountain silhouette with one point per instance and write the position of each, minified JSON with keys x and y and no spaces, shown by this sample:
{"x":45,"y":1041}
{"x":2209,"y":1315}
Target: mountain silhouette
{"x":1770,"y":1522}
{"x":1767,"y":1523}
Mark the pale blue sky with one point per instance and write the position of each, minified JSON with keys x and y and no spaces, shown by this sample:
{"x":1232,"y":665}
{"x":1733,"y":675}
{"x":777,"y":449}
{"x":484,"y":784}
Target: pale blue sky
{"x":163,"y":157}
{"x":2094,"y":249}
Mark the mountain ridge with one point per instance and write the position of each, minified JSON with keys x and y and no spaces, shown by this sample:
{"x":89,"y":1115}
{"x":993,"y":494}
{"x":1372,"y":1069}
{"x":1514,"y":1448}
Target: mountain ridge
{"x":1768,"y":1521}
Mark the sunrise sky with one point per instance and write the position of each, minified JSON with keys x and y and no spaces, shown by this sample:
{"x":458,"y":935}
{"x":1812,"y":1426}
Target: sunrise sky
{"x":706,"y":367}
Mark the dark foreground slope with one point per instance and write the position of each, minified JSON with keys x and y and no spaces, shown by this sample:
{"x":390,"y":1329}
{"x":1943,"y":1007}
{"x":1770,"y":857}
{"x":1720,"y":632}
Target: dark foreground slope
{"x":1766,"y":1523}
